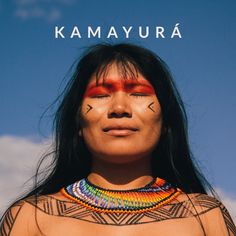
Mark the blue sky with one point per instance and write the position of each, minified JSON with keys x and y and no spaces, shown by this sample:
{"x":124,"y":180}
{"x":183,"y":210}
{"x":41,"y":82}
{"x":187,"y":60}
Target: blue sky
{"x":33,"y":65}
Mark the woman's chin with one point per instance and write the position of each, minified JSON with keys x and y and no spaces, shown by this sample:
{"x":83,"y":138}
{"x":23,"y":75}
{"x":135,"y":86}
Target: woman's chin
{"x":120,"y":157}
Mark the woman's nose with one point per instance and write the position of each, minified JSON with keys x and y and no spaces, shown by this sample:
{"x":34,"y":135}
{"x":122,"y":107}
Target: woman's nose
{"x":120,"y":106}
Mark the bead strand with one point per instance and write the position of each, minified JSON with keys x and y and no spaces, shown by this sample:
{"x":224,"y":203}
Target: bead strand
{"x":155,"y":194}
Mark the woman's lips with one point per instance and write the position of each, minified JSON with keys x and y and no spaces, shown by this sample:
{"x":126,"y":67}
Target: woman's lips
{"x":120,"y":131}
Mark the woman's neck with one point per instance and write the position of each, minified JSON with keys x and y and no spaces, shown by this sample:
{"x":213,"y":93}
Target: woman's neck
{"x":121,"y":176}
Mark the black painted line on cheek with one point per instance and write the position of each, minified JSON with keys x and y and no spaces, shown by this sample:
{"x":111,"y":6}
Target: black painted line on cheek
{"x":89,"y":108}
{"x":150,"y":106}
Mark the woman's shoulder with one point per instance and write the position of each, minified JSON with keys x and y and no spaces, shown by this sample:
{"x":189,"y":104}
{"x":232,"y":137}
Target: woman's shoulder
{"x":19,"y":218}
{"x":201,"y":203}
{"x":212,"y":212}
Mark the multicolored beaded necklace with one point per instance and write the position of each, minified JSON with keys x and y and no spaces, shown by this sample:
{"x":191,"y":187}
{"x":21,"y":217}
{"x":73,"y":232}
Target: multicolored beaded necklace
{"x":155,"y":194}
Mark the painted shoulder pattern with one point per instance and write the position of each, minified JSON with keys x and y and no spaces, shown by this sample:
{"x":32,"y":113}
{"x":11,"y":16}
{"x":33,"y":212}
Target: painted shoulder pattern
{"x":9,"y":219}
{"x":55,"y":207}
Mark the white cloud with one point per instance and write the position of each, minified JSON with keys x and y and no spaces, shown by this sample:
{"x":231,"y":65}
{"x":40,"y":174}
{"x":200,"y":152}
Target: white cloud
{"x":18,"y":160}
{"x":36,"y":12}
{"x":39,"y":13}
{"x":48,"y":10}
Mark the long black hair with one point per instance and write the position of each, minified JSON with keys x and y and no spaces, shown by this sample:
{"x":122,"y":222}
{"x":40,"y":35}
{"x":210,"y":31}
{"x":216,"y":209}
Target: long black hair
{"x":171,"y":160}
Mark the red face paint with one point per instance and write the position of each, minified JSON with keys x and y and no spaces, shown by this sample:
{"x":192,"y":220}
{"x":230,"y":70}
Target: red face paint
{"x":111,"y":86}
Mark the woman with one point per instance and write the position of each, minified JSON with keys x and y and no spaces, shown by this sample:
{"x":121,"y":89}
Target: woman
{"x":121,"y":157}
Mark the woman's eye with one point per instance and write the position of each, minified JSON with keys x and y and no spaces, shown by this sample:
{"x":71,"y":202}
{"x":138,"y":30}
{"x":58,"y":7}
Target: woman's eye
{"x":139,"y":94}
{"x":101,"y":96}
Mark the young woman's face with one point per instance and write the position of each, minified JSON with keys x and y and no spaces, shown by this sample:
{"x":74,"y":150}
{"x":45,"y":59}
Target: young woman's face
{"x":121,"y":118}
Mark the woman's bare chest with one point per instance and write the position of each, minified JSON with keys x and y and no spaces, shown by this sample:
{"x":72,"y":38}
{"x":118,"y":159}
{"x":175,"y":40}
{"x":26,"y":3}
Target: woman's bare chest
{"x":74,"y":227}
